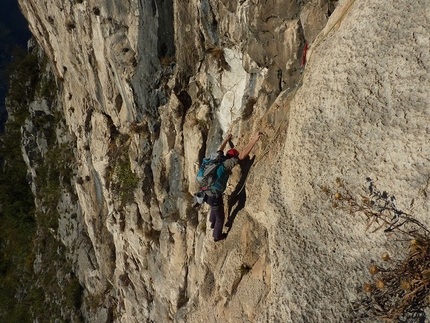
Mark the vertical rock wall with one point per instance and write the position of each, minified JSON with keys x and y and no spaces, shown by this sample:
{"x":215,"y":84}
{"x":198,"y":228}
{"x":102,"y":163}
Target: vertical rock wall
{"x":149,"y":87}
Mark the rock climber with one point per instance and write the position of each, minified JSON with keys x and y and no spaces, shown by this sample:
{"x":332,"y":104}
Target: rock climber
{"x":214,"y":196}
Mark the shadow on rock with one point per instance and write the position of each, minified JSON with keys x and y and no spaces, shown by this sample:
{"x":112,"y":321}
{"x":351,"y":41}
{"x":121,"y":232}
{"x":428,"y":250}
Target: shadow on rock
{"x":238,"y":197}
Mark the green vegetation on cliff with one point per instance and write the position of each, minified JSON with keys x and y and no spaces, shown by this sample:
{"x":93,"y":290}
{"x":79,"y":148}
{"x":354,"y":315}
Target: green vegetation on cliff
{"x":36,"y":279}
{"x":17,"y":221}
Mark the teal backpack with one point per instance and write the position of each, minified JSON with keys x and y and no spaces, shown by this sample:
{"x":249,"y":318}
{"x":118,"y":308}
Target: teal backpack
{"x":210,"y":174}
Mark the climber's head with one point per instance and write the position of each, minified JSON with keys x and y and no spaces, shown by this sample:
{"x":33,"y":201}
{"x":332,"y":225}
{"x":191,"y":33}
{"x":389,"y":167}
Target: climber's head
{"x":232,"y":153}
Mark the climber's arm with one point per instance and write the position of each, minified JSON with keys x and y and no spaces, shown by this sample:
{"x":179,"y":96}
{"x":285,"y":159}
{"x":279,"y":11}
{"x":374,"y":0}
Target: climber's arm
{"x":225,"y":141}
{"x":245,"y":152}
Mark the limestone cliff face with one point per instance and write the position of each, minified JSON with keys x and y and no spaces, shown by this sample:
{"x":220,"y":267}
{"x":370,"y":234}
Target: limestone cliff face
{"x":148,"y":87}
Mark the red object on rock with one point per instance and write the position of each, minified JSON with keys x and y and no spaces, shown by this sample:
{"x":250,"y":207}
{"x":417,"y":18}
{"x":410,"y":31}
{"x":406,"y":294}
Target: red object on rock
{"x":305,"y":49}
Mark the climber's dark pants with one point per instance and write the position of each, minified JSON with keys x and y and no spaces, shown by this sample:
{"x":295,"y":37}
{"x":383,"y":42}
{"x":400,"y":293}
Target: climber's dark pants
{"x":217,"y":216}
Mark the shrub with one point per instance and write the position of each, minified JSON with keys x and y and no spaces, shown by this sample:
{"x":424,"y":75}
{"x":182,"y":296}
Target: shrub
{"x":73,"y":293}
{"x":400,"y":289}
{"x":218,"y":55}
{"x":167,"y":60}
{"x":119,"y":175}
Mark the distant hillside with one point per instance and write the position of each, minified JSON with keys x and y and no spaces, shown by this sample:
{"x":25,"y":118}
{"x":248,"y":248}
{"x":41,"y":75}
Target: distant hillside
{"x":13,"y":32}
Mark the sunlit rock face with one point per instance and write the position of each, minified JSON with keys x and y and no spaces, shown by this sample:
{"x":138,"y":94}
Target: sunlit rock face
{"x":149,"y":87}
